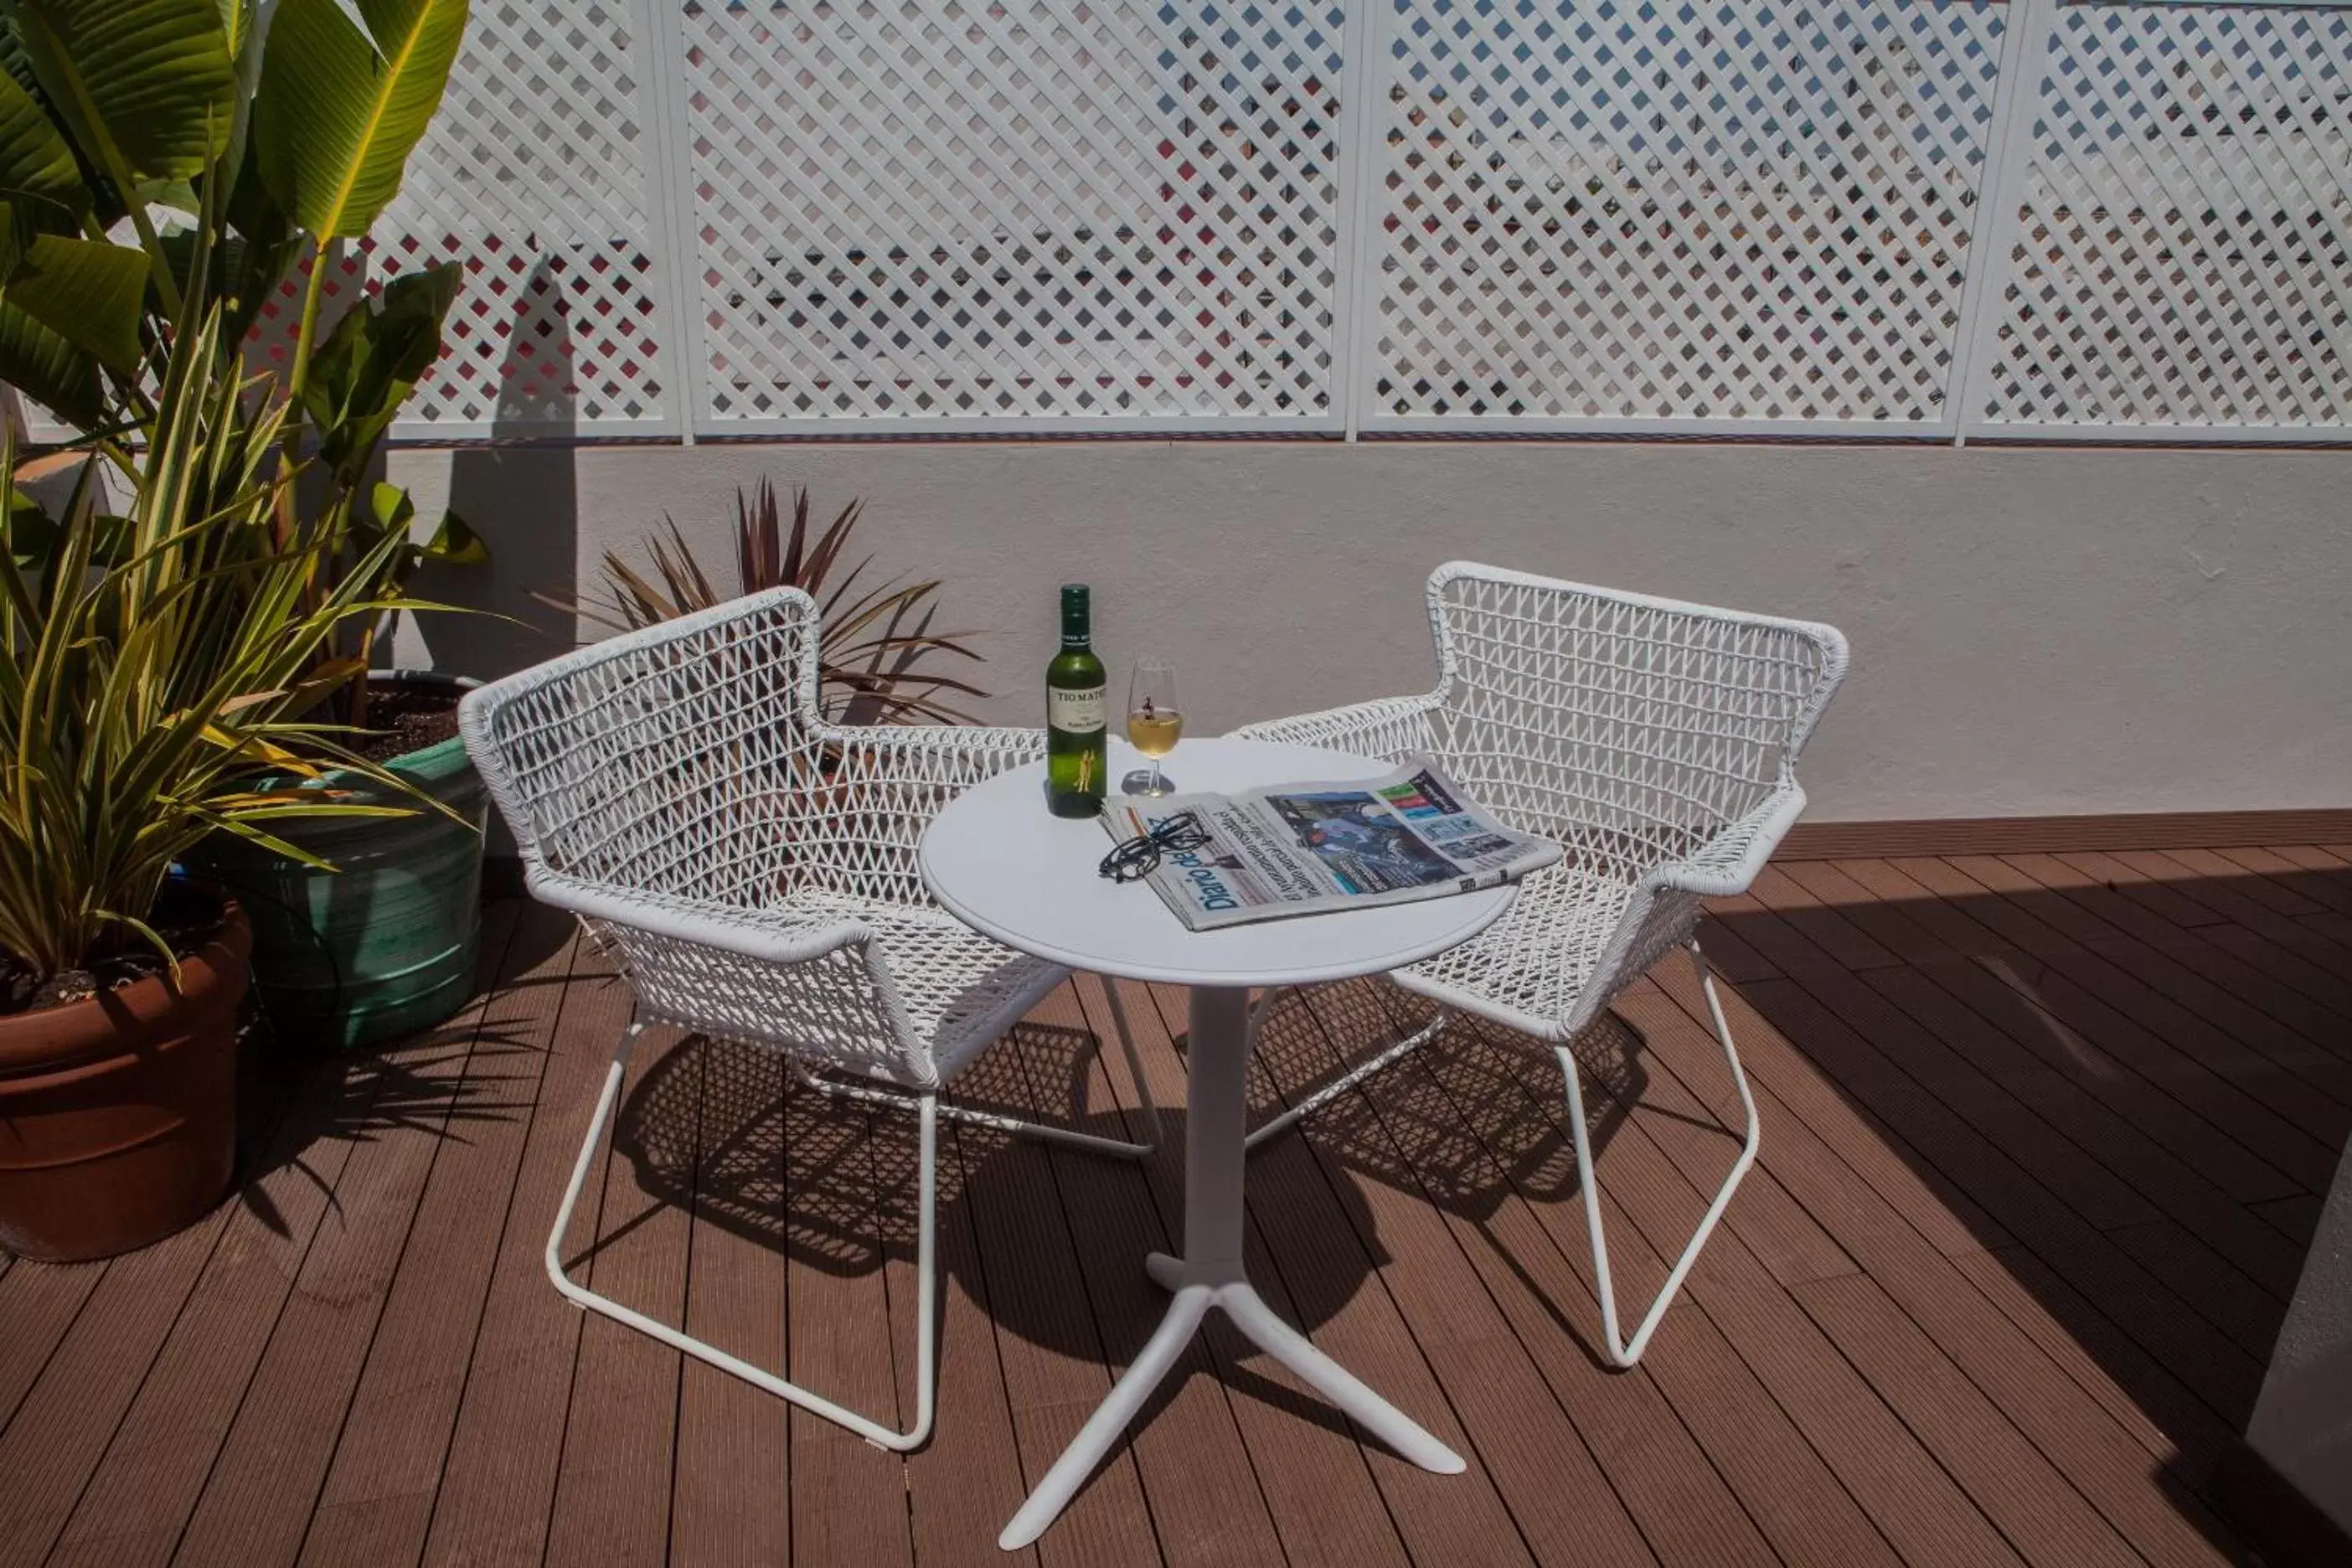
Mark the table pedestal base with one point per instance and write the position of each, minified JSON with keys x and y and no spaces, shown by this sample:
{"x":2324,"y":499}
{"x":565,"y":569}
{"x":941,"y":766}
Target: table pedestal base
{"x":1210,"y":1274}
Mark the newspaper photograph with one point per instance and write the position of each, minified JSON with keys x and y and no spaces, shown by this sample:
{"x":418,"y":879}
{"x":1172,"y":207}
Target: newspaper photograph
{"x":1310,"y":848}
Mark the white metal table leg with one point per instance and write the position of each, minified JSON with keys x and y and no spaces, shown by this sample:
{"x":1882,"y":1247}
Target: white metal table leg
{"x":1210,"y":1274}
{"x":1622,"y":1352}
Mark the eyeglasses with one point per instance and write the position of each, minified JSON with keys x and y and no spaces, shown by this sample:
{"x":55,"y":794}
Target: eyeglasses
{"x":1138,"y":857}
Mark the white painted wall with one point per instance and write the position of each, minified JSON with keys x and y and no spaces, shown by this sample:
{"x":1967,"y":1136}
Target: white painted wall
{"x":2035,"y":630}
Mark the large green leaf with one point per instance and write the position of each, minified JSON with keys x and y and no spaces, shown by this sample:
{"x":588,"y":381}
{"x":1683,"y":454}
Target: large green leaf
{"x":148,"y":85}
{"x":88,"y":292}
{"x":364,"y":368}
{"x":48,"y":369}
{"x":36,"y":161}
{"x":339,"y":111}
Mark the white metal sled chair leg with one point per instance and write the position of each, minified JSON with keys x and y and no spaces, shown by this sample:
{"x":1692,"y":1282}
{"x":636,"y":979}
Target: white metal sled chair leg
{"x":1622,"y":1352}
{"x":926,"y":1279}
{"x":1378,"y":1062}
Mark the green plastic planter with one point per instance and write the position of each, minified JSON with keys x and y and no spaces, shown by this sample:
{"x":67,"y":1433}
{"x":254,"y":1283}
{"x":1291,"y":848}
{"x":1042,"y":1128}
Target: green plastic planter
{"x":386,"y":944}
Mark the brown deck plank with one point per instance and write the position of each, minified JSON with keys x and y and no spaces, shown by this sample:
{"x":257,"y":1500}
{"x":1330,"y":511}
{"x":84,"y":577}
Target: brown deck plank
{"x":613,"y":1480}
{"x":497,"y":1481}
{"x":2039,"y":1146}
{"x":1206,"y":1503}
{"x":2310,"y":870}
{"x":1889,"y":1475}
{"x":2086,"y":1433}
{"x":2256,"y":873}
{"x":1996,"y":1289}
{"x":1992,"y":979}
{"x":145,"y":1491}
{"x":2296,"y":1218}
{"x":2043,"y":1517}
{"x":256,"y":1504}
{"x":2138,"y":1300}
{"x":2182,"y":960}
{"x":850,"y":1498}
{"x":730,"y":1493}
{"x":1330,"y":1256}
{"x":1907,"y":1054}
{"x":2183,"y":1007}
{"x":66,"y":1420}
{"x":377,"y":1499}
{"x":2242,"y":1110}
{"x":2236,"y":1086}
{"x":1976,"y":1045}
{"x":2295,"y":950}
{"x":1687,"y":1050}
{"x":38,"y":1304}
{"x":1461,"y":1129}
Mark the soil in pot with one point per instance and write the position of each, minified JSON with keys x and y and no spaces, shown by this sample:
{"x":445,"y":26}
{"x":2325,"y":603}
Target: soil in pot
{"x":387,"y":943}
{"x":118,"y":1109}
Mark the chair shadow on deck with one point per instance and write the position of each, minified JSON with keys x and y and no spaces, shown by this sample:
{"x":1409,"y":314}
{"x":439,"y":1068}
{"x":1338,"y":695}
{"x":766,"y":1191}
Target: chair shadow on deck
{"x":1472,"y":1123}
{"x":722,"y":1131}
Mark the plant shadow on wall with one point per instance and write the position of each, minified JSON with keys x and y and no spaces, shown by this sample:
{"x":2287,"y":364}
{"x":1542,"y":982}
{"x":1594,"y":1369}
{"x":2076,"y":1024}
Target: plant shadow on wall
{"x":520,"y":493}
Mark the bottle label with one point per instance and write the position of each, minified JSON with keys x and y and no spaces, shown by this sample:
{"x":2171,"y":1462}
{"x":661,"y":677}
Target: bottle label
{"x":1075,"y":712}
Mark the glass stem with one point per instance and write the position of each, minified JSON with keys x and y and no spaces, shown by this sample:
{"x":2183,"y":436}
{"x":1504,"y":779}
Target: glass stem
{"x":1155,"y":777}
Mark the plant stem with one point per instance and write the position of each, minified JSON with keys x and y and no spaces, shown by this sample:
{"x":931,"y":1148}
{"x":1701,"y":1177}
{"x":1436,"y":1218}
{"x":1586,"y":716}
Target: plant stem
{"x":311,"y":295}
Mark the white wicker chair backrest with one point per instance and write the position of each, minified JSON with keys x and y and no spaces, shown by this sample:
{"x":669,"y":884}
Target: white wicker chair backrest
{"x":1631,"y":729}
{"x":665,"y":760}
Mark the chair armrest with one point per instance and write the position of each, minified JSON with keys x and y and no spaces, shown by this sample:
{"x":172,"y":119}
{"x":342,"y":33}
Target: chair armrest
{"x":914,"y":770}
{"x":1387,"y":727}
{"x":780,"y":935}
{"x":1728,"y":862}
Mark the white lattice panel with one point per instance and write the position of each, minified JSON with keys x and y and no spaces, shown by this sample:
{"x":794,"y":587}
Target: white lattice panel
{"x":930,"y":213}
{"x":2180,"y":255}
{"x":534,"y":176}
{"x":1612,"y":212}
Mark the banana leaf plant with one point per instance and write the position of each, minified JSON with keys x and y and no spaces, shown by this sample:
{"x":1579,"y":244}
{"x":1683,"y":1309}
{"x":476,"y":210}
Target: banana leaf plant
{"x":157,"y":151}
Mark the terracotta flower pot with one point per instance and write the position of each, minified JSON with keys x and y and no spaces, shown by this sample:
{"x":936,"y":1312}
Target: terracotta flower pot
{"x":117,"y":1114}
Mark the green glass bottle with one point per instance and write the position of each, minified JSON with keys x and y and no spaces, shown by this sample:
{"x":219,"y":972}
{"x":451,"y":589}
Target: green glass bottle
{"x":1077,"y":751}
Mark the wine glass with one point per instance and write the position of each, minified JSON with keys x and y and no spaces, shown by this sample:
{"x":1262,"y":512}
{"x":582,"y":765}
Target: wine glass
{"x":1155,"y":722}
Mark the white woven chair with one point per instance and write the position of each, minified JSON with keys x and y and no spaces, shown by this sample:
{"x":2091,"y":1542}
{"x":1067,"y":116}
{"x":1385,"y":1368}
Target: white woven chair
{"x":754,"y":868}
{"x":1657,"y":742}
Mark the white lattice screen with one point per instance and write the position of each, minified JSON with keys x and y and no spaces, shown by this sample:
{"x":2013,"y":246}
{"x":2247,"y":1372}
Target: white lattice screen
{"x":924,"y":215}
{"x":2179,"y":258}
{"x":1928,"y":219}
{"x":534,"y":176}
{"x":1623,"y":212}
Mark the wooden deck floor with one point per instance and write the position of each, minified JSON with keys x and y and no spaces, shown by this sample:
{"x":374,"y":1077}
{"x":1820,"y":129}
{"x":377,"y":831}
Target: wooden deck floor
{"x":2041,"y":1141}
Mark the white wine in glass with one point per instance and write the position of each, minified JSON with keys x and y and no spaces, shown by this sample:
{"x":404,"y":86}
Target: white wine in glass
{"x":1155,"y":722}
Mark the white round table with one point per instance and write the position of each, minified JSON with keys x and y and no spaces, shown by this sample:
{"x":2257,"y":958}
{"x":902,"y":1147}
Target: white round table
{"x":1007,"y":867}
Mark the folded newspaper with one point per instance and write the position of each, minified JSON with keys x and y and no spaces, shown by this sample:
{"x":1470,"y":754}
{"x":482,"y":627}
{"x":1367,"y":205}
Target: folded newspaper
{"x":1309,"y":849}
